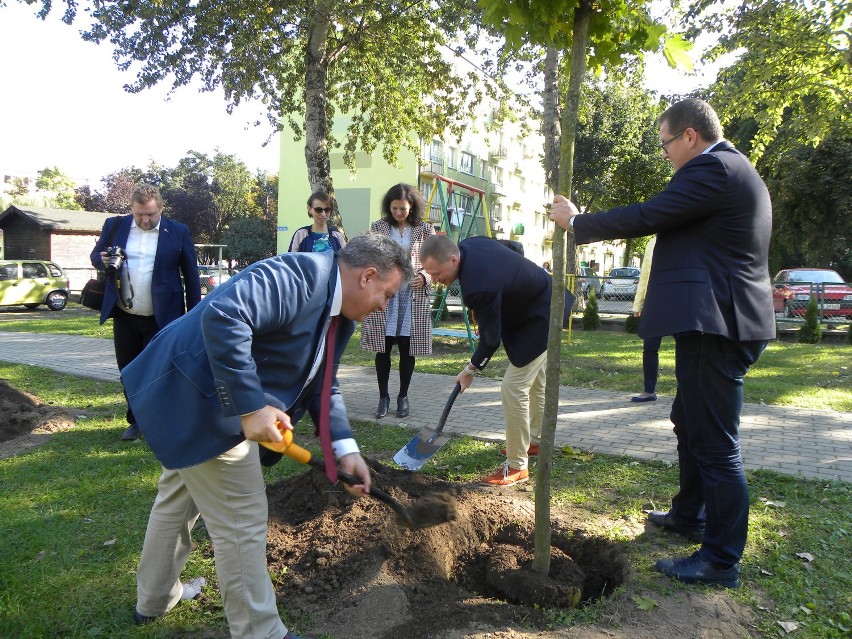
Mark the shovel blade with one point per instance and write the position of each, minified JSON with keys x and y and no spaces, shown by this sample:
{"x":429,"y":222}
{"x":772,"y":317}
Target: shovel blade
{"x":420,"y":449}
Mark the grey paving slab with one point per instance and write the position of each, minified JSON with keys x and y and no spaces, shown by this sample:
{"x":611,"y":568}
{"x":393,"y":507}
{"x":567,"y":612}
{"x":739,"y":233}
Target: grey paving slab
{"x":801,"y":442}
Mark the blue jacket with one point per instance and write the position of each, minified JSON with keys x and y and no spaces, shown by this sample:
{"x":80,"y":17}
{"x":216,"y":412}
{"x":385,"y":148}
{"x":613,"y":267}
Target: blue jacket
{"x":251,"y":342}
{"x":172,"y":296}
{"x":710,"y":272}
{"x":510,"y":298}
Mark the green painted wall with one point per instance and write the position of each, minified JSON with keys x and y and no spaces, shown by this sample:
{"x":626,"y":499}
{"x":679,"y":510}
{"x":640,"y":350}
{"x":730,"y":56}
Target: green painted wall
{"x":359,"y":196}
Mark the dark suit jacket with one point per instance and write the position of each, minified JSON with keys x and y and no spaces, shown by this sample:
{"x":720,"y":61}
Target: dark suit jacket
{"x":510,"y":298}
{"x":175,"y":257}
{"x":710,"y":270}
{"x":252,"y":341}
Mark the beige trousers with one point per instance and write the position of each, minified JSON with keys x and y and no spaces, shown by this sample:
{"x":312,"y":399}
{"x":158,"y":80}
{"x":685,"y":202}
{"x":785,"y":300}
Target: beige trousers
{"x":522,"y":392}
{"x":229,"y":492}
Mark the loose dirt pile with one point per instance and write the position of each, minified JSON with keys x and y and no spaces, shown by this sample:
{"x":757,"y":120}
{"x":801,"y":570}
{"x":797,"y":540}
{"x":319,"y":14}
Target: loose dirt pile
{"x":26,"y":422}
{"x":345,"y":569}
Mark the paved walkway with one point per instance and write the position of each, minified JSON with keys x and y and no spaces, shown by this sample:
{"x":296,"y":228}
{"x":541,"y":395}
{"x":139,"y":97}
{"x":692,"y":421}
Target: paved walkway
{"x":802,"y":442}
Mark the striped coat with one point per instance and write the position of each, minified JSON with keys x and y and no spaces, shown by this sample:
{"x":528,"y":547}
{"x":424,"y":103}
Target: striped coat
{"x":373,"y":327}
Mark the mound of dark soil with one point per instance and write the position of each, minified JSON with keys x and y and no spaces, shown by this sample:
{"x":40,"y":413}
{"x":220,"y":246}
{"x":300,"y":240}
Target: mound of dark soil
{"x":349,"y":569}
{"x":26,"y":421}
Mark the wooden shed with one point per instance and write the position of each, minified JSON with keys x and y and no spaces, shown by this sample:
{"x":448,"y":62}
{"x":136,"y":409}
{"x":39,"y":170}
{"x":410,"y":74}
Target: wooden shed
{"x":59,"y":235}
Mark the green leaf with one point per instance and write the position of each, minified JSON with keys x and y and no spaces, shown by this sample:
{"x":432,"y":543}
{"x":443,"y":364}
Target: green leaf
{"x":676,"y":51}
{"x":644,"y":603}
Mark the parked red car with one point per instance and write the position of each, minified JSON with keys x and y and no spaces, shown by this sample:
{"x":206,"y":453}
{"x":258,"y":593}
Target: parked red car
{"x":793,"y":288}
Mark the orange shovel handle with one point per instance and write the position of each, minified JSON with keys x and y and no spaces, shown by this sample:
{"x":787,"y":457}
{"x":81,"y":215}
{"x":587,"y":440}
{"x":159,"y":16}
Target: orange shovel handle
{"x":287,"y":447}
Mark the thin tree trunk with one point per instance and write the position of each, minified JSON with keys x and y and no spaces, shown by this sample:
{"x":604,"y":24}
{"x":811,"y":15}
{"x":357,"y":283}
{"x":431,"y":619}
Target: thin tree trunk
{"x":316,"y":106}
{"x":541,"y":562}
{"x":550,"y":118}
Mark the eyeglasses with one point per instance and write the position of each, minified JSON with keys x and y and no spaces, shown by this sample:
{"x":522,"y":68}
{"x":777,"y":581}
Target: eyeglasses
{"x":663,"y":145}
{"x":319,"y":210}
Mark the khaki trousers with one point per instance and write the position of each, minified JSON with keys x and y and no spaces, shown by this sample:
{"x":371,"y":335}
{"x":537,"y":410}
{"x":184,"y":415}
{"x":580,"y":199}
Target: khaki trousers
{"x":522,"y":392}
{"x":229,"y":493}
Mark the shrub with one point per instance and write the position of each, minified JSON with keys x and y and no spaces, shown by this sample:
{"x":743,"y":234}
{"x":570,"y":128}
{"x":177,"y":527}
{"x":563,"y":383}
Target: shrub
{"x":811,"y":332}
{"x":591,"y":319}
{"x":631,"y":324}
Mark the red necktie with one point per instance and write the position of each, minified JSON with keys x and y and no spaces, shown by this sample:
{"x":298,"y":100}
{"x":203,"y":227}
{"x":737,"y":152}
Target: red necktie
{"x":325,"y":403}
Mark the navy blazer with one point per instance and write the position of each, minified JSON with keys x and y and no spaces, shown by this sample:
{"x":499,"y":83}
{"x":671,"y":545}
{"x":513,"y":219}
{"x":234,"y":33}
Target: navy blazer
{"x":710,"y":271}
{"x":251,"y":342}
{"x":510,"y":298}
{"x":175,"y":257}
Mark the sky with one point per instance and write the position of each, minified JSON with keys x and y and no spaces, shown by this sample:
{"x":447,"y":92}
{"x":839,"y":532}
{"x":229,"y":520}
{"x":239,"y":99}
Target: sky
{"x":63,"y":105}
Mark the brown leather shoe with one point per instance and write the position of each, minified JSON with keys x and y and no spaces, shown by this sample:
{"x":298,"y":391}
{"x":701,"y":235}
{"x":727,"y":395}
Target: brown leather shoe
{"x":532,"y":451}
{"x":506,"y":476}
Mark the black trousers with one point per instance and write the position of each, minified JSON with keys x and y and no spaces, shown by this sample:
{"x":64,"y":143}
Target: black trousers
{"x":706,"y":418}
{"x":131,"y":334}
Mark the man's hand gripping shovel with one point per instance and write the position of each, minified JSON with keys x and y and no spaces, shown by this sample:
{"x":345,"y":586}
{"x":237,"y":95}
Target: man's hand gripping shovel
{"x":423,"y":513}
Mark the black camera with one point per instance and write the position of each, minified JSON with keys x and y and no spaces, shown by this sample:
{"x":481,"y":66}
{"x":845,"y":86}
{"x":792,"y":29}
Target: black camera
{"x":114,"y":259}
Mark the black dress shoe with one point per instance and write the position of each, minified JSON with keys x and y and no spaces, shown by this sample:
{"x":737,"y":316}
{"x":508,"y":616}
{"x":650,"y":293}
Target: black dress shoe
{"x":140,"y":619}
{"x":693,"y":532}
{"x":384,"y":405}
{"x":644,"y":397}
{"x":402,"y":406}
{"x":131,"y":433}
{"x":697,"y":570}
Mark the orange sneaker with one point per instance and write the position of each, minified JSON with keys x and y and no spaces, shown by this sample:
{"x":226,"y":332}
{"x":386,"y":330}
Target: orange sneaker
{"x":532,"y":451}
{"x":506,"y":476}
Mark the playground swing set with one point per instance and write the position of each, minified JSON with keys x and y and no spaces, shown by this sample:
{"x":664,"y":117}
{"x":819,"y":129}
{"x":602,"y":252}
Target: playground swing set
{"x":458,"y":223}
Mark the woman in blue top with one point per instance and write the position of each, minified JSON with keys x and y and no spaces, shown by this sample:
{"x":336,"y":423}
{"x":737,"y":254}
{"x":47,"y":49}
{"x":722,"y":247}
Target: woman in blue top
{"x":319,"y":236}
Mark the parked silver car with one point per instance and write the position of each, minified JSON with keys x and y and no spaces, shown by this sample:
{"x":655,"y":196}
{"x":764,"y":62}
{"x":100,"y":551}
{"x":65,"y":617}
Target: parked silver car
{"x":211,"y":277}
{"x":620,"y":284}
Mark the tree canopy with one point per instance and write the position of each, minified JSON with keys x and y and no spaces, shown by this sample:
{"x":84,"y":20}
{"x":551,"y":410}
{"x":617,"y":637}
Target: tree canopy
{"x":793,"y":77}
{"x":385,"y":64}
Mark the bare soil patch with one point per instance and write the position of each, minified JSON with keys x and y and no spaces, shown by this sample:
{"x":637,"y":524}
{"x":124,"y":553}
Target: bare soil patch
{"x":26,"y":422}
{"x":345,"y":568}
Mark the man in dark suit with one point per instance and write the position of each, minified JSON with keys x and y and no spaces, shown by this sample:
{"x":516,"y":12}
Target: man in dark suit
{"x":145,"y":291}
{"x":248,"y":360}
{"x":709,"y":287}
{"x":510,"y":297}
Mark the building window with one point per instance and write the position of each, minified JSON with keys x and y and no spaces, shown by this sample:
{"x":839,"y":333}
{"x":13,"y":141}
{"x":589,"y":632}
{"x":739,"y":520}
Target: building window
{"x":499,"y":176}
{"x":466,"y":163}
{"x":483,"y":169}
{"x":452,"y":158}
{"x":436,"y":152}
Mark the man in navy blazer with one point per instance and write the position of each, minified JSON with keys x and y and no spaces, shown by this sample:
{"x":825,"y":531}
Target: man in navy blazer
{"x":224,"y":376}
{"x":510,"y":297}
{"x":709,"y":287}
{"x":156,"y":280}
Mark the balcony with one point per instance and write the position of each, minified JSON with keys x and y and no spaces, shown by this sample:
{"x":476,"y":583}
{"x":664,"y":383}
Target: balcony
{"x":499,"y":152}
{"x":431,"y":168}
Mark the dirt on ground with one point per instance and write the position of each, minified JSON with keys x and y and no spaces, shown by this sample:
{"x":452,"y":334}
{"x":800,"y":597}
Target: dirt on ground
{"x":25,"y":421}
{"x":348,"y":568}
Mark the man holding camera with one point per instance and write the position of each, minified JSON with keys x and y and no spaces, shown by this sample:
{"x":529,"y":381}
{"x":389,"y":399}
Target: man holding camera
{"x":145,"y":255}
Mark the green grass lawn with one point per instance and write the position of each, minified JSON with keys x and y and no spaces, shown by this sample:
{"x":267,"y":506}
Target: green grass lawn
{"x":787,"y":374}
{"x":73,"y":515}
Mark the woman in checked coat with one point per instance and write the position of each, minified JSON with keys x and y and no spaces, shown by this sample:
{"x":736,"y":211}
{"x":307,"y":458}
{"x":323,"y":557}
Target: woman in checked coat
{"x":407,"y":321}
